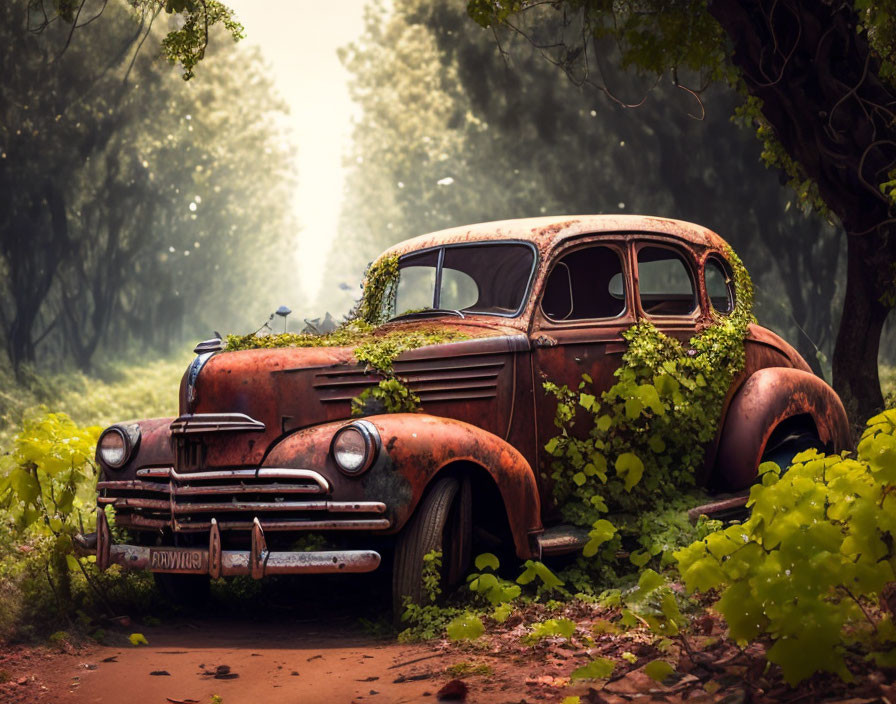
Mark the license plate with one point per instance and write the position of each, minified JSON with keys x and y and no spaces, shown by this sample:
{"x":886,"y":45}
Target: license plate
{"x":178,"y":560}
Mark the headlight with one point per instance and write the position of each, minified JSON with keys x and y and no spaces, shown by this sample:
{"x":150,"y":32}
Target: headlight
{"x":117,"y":445}
{"x":355,"y":447}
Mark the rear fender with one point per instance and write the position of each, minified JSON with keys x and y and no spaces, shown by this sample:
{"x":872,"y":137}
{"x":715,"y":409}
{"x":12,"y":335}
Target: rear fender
{"x":415,"y":448}
{"x":766,"y":400}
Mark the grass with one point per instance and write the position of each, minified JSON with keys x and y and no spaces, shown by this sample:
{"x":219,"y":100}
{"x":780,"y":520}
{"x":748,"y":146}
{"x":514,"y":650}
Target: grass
{"x":119,"y":392}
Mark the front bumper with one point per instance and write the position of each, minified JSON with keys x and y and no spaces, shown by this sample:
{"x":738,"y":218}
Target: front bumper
{"x":257,"y":562}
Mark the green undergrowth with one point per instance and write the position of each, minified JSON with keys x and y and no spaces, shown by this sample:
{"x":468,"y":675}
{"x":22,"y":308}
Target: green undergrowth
{"x":808,"y":569}
{"x":120,"y":391}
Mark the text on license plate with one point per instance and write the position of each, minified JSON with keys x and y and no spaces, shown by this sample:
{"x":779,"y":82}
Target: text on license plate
{"x":178,"y":560}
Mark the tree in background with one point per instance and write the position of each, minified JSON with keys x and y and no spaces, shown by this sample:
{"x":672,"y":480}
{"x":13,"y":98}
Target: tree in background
{"x":185,"y":44}
{"x":819,"y":77}
{"x":133,"y":205}
{"x":452,"y":131}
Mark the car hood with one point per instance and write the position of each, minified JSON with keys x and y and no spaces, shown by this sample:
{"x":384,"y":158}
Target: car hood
{"x":291,"y":388}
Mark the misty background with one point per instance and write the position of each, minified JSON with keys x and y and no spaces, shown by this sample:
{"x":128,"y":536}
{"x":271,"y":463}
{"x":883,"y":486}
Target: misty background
{"x":139,"y":212}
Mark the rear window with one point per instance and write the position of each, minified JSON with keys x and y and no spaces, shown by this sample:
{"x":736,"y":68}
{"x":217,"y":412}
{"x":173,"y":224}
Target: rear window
{"x":665,"y":284}
{"x":719,"y":287}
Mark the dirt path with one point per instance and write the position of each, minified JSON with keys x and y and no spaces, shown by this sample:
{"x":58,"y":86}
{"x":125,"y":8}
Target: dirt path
{"x":243,"y":662}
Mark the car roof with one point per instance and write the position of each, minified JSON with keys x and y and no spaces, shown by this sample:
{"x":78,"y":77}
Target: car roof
{"x":547,"y":232}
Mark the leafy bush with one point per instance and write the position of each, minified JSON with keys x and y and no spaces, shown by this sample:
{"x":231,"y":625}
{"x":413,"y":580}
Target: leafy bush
{"x":808,"y":567}
{"x":48,"y":492}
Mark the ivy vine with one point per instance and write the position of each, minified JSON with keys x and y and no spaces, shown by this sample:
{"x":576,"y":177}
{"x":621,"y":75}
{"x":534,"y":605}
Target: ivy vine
{"x":380,"y":289}
{"x":647,"y":434}
{"x":374,"y":345}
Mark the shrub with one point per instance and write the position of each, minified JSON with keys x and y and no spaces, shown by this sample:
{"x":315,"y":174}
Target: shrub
{"x":806,"y":570}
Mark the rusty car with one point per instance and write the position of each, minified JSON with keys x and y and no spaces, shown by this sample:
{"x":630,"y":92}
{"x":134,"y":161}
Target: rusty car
{"x":265,"y":448}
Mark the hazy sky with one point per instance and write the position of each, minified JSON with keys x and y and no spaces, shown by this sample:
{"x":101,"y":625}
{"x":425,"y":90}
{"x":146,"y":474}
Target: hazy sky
{"x":299,"y":39}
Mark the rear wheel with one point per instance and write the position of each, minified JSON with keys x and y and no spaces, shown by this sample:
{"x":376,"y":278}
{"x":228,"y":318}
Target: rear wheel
{"x":789,"y":447}
{"x":443,"y":521}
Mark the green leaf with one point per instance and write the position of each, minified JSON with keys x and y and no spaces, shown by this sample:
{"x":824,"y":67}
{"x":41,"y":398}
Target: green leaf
{"x":502,"y":612}
{"x":138,"y":639}
{"x":467,"y":626}
{"x":597,"y":669}
{"x":550,"y":628}
{"x":658,"y":670}
{"x":601,"y":532}
{"x":488,"y":560}
{"x":649,"y":581}
{"x":656,"y":444}
{"x":629,"y":468}
{"x":639,"y":558}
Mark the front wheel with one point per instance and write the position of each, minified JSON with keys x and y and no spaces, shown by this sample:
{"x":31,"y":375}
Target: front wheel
{"x":442,"y":522}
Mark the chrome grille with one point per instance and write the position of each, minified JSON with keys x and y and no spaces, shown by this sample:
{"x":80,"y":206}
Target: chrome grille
{"x":161,"y":497}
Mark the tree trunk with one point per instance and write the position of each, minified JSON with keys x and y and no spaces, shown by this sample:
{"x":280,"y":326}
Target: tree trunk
{"x":829,"y":109}
{"x":858,"y":340}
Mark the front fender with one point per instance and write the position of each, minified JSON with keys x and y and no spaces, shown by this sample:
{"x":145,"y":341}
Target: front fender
{"x":415,"y":448}
{"x":154,"y":449}
{"x":768,"y":398}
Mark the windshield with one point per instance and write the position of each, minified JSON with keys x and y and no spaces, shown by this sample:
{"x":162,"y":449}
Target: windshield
{"x":488,"y":278}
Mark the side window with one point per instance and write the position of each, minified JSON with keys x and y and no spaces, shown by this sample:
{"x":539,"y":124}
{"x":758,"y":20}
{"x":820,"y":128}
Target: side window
{"x":664,"y":282}
{"x":719,"y":287}
{"x":584,"y":284}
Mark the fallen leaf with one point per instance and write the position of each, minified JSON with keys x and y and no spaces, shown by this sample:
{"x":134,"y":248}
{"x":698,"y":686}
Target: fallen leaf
{"x":138,"y":639}
{"x":658,"y":670}
{"x":111,"y":658}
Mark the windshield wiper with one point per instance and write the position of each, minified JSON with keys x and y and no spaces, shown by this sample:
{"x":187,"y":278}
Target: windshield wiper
{"x":428,"y":311}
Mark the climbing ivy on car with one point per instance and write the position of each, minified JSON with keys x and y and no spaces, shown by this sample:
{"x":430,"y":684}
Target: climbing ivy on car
{"x":373,"y":345}
{"x":808,"y":567}
{"x":380,"y":288}
{"x":646,"y":435}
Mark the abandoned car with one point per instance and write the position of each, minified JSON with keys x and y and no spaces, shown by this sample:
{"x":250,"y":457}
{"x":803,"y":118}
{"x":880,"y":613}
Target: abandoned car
{"x":266,"y":448}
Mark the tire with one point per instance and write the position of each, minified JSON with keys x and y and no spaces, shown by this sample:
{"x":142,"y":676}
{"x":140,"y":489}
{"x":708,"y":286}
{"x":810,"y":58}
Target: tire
{"x":784,"y":452}
{"x":190,"y":590}
{"x":443,"y":521}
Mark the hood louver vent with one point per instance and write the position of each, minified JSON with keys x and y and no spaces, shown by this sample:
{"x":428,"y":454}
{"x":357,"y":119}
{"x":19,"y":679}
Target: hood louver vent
{"x":456,"y":379}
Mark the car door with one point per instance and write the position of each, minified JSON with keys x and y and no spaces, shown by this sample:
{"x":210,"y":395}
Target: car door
{"x":584,"y":306}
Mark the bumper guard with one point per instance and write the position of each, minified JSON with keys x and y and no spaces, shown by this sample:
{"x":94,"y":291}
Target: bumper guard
{"x":257,"y":562}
